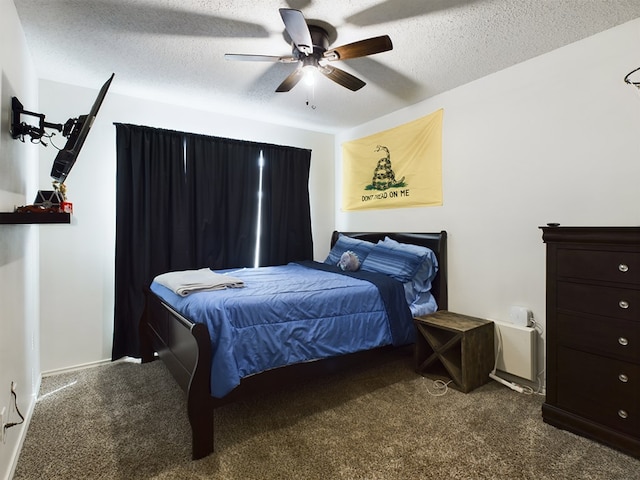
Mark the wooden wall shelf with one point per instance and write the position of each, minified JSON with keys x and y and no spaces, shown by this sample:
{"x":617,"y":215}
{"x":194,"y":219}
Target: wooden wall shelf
{"x":7,"y":218}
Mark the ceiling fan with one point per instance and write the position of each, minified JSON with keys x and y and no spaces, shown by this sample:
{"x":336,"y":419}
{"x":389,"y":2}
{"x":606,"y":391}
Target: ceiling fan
{"x":310,"y":44}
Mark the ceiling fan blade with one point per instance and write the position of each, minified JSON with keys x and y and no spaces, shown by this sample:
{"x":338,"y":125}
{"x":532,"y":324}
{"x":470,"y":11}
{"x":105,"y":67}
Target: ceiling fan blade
{"x":342,"y":78}
{"x":298,"y":30}
{"x":299,"y":4}
{"x":291,"y":81}
{"x":360,"y":48}
{"x":259,"y":58}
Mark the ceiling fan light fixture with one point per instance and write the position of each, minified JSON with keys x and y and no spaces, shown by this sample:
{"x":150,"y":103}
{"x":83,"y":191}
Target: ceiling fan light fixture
{"x":309,"y":66}
{"x":309,"y":75}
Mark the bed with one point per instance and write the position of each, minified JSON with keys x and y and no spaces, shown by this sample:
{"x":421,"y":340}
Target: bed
{"x":214,"y":364}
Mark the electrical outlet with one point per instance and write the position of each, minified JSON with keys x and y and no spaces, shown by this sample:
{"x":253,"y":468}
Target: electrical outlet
{"x":3,"y":422}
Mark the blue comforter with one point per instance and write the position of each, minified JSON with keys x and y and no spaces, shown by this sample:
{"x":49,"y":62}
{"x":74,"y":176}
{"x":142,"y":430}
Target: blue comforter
{"x":293,"y":313}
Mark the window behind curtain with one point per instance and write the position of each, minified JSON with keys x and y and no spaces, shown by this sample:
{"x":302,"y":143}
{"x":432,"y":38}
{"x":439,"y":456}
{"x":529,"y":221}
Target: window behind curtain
{"x":187,"y":201}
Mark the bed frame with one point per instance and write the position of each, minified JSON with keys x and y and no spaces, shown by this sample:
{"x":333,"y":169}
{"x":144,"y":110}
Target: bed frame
{"x":185,"y":349}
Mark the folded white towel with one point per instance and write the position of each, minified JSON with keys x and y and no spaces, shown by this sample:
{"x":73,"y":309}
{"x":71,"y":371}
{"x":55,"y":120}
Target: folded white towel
{"x":187,"y":281}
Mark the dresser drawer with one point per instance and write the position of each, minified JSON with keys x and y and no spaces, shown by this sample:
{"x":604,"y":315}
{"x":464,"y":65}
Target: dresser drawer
{"x":604,"y":390}
{"x":605,"y":336}
{"x":612,"y":302}
{"x":622,"y":267}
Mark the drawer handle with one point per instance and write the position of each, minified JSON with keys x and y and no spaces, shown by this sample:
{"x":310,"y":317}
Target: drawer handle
{"x":623,"y":267}
{"x":623,"y":341}
{"x":623,"y":378}
{"x":623,"y":413}
{"x":623,"y":304}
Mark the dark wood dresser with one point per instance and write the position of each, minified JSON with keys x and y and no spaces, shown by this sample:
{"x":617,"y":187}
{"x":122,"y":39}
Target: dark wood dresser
{"x":593,"y":333}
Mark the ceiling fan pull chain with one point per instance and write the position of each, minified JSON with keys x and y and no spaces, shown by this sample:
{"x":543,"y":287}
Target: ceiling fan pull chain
{"x":313,"y":97}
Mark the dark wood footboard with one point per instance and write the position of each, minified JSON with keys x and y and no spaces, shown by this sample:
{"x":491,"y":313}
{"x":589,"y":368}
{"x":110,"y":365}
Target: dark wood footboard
{"x":185,"y":348}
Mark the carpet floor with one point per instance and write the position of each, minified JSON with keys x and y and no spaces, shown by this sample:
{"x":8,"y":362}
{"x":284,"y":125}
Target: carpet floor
{"x":383,"y":421}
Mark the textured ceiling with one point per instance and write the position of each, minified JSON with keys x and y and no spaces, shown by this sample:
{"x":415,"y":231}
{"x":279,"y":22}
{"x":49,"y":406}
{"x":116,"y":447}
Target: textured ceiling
{"x":173,"y":51}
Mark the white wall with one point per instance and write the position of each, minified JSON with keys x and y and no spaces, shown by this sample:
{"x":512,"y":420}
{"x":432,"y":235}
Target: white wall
{"x":19,"y":360}
{"x":554,"y":139}
{"x":77,"y":261}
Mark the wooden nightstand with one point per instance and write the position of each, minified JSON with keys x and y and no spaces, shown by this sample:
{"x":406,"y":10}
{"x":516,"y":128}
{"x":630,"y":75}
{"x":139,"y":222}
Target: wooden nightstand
{"x":463,"y":345}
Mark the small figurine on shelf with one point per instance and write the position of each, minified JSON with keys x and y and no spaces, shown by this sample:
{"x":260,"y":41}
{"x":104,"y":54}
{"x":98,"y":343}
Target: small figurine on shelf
{"x":61,"y":189}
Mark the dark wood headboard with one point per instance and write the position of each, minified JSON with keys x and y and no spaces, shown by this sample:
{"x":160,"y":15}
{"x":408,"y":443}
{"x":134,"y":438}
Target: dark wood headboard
{"x":437,"y":242}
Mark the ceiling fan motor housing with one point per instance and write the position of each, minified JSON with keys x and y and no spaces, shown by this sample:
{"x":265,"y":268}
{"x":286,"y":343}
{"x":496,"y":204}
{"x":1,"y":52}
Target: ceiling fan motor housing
{"x":320,"y":42}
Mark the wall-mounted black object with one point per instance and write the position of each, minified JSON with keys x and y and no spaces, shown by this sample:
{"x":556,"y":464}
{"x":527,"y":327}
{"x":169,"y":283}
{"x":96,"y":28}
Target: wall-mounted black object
{"x":75,"y":129}
{"x":631,"y":82}
{"x":20,"y":129}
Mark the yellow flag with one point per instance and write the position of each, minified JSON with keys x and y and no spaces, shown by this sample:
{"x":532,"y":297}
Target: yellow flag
{"x":397,"y":168}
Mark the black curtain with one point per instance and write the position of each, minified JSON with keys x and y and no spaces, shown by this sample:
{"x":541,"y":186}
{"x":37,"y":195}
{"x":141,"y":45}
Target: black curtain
{"x":224,"y":179}
{"x":187,"y":201}
{"x":151,"y":222}
{"x":286,"y":214}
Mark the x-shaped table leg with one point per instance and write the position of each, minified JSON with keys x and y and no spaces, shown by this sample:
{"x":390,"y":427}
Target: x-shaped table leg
{"x":438,"y":353}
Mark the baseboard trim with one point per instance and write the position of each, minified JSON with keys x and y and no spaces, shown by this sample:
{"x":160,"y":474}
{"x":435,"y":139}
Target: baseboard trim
{"x":75,"y":368}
